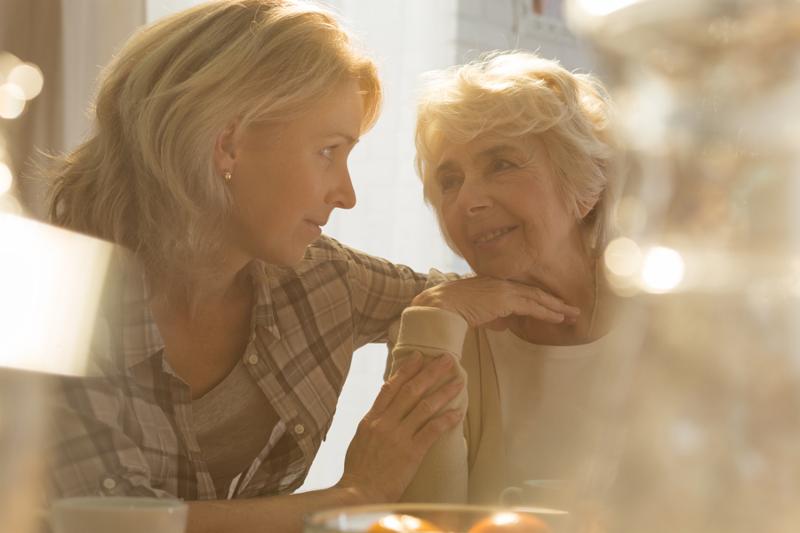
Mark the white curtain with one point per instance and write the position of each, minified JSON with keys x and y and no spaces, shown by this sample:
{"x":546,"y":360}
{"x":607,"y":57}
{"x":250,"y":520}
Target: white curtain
{"x":93,"y":30}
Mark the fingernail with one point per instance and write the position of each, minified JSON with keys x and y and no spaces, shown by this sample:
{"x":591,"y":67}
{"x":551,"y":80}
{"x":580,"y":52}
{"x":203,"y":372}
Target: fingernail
{"x":445,"y":361}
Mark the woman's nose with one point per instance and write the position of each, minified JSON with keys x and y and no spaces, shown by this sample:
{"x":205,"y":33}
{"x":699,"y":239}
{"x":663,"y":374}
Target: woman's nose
{"x":473,"y":198}
{"x":343,"y":195}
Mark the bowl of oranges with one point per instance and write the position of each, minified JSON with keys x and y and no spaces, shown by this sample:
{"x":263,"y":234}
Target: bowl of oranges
{"x":436,"y":518}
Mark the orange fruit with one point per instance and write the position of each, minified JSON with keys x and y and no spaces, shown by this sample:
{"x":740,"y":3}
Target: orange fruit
{"x":510,"y":522}
{"x":402,"y":523}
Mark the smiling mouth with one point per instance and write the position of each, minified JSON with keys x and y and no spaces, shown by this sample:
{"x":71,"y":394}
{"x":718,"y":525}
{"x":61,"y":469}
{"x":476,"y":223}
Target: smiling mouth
{"x":492,"y":235}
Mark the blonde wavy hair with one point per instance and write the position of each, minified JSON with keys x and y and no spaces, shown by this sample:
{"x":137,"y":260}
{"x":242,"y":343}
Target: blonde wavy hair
{"x":512,"y":94}
{"x":145,"y":178}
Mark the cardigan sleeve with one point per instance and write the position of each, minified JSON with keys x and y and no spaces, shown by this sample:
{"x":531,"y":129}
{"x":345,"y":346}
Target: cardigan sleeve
{"x":443,"y":474}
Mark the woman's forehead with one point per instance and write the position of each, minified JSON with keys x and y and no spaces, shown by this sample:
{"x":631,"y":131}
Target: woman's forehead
{"x":487,"y":146}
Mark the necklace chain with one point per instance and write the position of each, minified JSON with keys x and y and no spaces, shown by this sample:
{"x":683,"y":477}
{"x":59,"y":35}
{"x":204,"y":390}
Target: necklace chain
{"x":596,"y":298}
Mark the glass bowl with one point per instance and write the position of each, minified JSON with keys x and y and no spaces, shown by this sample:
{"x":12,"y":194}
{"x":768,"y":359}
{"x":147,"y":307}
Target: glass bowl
{"x":436,"y":518}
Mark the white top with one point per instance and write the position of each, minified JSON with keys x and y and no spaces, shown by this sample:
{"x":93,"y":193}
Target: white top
{"x":545,"y":399}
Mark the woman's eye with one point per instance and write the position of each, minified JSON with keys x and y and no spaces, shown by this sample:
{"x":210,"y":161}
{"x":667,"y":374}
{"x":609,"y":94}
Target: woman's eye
{"x":449,"y":183}
{"x":502,"y":164}
{"x":327,"y":152}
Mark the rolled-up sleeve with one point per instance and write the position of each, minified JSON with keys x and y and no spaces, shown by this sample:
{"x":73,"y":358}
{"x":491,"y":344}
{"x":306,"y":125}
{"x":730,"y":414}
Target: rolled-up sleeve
{"x":443,"y":475}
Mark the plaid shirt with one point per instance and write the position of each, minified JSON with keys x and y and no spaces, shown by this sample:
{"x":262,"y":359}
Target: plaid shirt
{"x":127,"y":428}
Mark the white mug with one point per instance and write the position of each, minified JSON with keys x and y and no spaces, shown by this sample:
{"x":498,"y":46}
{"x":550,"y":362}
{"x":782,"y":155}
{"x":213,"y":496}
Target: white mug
{"x":548,"y":493}
{"x":118,"y":515}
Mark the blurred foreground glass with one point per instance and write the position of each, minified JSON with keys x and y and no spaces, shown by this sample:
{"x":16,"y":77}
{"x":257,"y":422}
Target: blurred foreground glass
{"x":436,"y":518}
{"x":119,"y":515}
{"x":547,"y":493}
{"x":50,"y":288}
{"x":704,"y":421}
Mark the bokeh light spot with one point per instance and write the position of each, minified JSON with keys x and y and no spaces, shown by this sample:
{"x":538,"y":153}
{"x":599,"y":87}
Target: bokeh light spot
{"x":27,"y":77}
{"x":6,"y":178}
{"x":662,"y":270}
{"x":623,"y":257}
{"x":12,"y":101}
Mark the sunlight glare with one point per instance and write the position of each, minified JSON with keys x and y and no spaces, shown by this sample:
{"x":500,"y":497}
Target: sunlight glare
{"x":51,"y":280}
{"x":662,"y":270}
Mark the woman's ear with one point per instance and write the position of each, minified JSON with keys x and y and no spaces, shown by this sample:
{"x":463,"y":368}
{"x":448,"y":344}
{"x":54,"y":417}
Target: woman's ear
{"x":585,"y":208}
{"x":225,"y":149}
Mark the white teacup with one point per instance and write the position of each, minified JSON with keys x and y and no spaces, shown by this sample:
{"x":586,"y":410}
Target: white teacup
{"x":549,"y":493}
{"x":118,"y":515}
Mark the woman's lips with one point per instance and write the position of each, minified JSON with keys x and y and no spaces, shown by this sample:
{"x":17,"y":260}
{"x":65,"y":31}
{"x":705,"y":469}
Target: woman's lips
{"x":316,"y":228}
{"x":491,"y":236}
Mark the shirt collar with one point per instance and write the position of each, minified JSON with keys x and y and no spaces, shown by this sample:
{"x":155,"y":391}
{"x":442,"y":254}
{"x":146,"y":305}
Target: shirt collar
{"x":264,"y":309}
{"x":141,"y":338}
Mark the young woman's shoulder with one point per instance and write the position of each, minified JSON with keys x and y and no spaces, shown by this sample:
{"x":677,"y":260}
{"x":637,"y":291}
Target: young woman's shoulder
{"x":329,"y":251}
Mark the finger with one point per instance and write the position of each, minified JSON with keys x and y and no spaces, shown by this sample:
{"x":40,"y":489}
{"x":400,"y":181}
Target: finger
{"x":409,"y":368}
{"x":431,"y":405}
{"x":500,"y":324}
{"x":554,"y":303}
{"x":533,"y":308}
{"x":430,"y":432}
{"x":434,"y":371}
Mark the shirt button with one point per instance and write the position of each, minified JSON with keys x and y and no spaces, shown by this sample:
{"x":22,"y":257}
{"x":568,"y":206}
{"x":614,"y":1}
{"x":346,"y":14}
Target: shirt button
{"x":299,"y":429}
{"x":252,"y":359}
{"x":109,"y":483}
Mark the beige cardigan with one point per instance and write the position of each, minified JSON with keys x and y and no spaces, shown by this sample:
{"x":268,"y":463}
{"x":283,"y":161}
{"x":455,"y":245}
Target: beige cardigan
{"x":453,"y":471}
{"x":471,"y":465}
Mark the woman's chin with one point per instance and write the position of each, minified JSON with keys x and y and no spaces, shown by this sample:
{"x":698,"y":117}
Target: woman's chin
{"x":288,"y":256}
{"x":500,"y":269}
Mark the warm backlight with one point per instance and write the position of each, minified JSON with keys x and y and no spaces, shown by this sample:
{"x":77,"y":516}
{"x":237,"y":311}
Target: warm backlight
{"x":50,"y":284}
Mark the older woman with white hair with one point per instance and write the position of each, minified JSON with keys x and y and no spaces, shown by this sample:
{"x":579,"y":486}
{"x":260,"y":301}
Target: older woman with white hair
{"x":516,"y":159}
